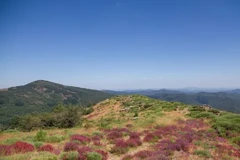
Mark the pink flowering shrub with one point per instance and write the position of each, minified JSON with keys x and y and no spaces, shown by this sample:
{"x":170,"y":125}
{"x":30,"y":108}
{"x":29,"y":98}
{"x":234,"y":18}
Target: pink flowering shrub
{"x":80,"y":138}
{"x":70,"y":146}
{"x":143,"y":154}
{"x":134,"y":135}
{"x":151,"y":137}
{"x":97,"y":143}
{"x":120,"y":147}
{"x":83,"y":151}
{"x":5,"y":150}
{"x":47,"y":148}
{"x":116,"y":133}
{"x":134,"y":140}
{"x":18,"y":147}
{"x":22,"y":147}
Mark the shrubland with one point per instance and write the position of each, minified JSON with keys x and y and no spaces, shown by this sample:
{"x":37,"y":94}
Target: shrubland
{"x":131,"y":127}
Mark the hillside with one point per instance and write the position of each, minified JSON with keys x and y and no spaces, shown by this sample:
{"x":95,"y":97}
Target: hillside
{"x":133,"y":127}
{"x":42,"y":96}
{"x":228,"y":100}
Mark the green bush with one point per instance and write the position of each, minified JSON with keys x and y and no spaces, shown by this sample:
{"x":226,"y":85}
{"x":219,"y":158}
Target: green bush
{"x":203,"y":115}
{"x":40,"y":136}
{"x":236,"y":140}
{"x":55,"y":139}
{"x":215,"y":111}
{"x":196,"y":108}
{"x":38,"y":144}
{"x":30,"y":122}
{"x":88,"y":111}
{"x":202,"y":153}
{"x":94,"y":156}
{"x":72,"y":155}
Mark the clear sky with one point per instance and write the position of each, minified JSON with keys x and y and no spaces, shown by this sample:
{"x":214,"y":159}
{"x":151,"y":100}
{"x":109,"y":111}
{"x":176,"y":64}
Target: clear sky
{"x":121,"y":44}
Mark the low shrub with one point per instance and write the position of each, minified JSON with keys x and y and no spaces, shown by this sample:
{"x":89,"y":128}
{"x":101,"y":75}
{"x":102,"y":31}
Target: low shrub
{"x":228,"y":149}
{"x":72,"y":155}
{"x":114,"y":135}
{"x":80,"y":138}
{"x":134,"y":135}
{"x":46,"y":148}
{"x":236,"y":140}
{"x":204,"y":115}
{"x":120,"y":147}
{"x":40,"y":136}
{"x":120,"y":143}
{"x":144,"y":154}
{"x":18,"y":147}
{"x":54,"y":139}
{"x":94,"y":156}
{"x":5,"y":150}
{"x":38,"y":144}
{"x":119,"y":150}
{"x":214,"y":111}
{"x":83,"y":151}
{"x":202,"y":153}
{"x":97,"y":143}
{"x":70,"y":146}
{"x":159,"y":155}
{"x":103,"y":153}
{"x":134,"y":142}
{"x":22,"y":147}
{"x":150,"y":137}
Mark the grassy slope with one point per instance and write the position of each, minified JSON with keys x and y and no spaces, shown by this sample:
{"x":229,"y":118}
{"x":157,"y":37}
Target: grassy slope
{"x":228,"y":100}
{"x":144,"y":115}
{"x":42,"y":96}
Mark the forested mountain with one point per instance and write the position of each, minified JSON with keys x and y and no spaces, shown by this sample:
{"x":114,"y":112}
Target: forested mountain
{"x":42,"y":96}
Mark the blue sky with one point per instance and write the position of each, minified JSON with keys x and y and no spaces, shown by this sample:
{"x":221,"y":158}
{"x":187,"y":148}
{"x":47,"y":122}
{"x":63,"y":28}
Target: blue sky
{"x":121,"y":44}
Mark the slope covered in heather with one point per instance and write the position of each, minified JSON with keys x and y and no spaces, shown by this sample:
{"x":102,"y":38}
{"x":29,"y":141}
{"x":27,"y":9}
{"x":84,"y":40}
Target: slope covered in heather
{"x":134,"y":127}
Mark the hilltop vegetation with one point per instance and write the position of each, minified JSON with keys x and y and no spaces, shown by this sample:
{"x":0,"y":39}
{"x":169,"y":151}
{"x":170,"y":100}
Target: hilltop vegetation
{"x":228,"y":100}
{"x":133,"y":127}
{"x":43,"y":96}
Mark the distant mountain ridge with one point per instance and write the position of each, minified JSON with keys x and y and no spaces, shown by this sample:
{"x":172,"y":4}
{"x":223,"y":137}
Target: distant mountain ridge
{"x":224,"y":100}
{"x":42,"y":96}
